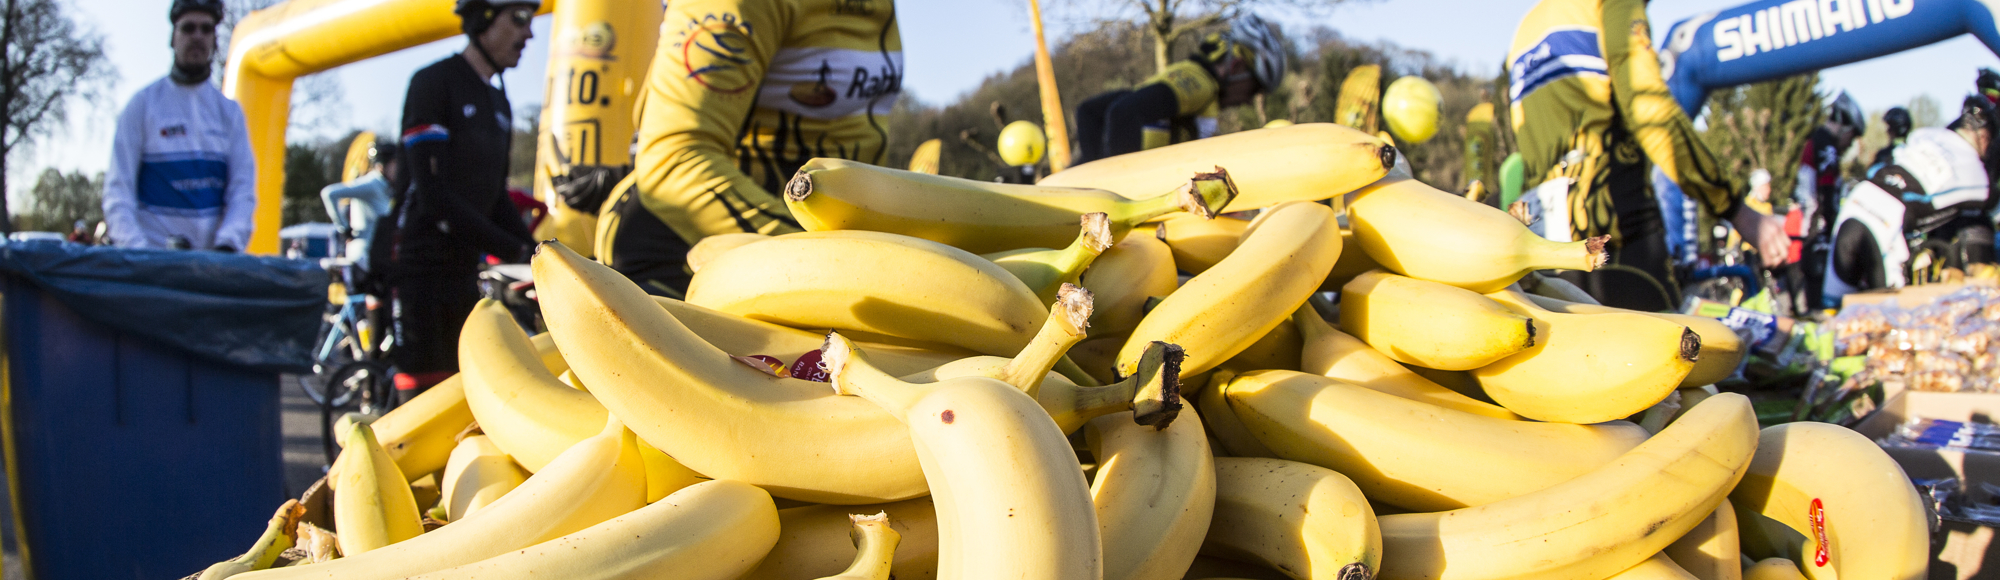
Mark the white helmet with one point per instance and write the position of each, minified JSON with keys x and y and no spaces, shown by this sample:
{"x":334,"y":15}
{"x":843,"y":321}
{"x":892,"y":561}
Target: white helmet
{"x":1261,"y":38}
{"x":1844,"y":111}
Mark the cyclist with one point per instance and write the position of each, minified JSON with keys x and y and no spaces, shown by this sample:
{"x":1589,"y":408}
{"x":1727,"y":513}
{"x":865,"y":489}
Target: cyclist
{"x":1226,"y":70}
{"x":1933,"y":197}
{"x":182,"y":174}
{"x":741,"y":93}
{"x":1578,"y":71}
{"x":457,"y":129}
{"x":1897,"y":122}
{"x":367,"y":198}
{"x":1815,"y":201}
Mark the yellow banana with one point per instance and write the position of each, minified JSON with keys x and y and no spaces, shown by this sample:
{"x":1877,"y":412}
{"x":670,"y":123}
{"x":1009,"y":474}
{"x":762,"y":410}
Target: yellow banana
{"x":708,"y":248}
{"x":420,"y":433}
{"x":1592,"y":526}
{"x":1658,"y":567}
{"x":1853,"y":503}
{"x":1225,"y":309}
{"x":1773,"y":569}
{"x":1154,"y":491}
{"x":977,"y":216}
{"x":1305,"y":521}
{"x":479,"y":473}
{"x":813,"y":541}
{"x":1721,"y":349}
{"x":710,"y":531}
{"x":1304,"y":162}
{"x":741,"y":336}
{"x":722,"y":418}
{"x":1353,"y":262}
{"x":1415,"y":455}
{"x":1278,"y":349}
{"x":1212,"y":568}
{"x":280,"y":534}
{"x":860,"y":282}
{"x":372,"y":505}
{"x":1232,"y":437}
{"x":1710,"y":551}
{"x":1461,"y":382}
{"x":1012,"y":501}
{"x":1199,"y":244}
{"x":1045,"y":270}
{"x":1123,"y":278}
{"x":1589,"y":368}
{"x":529,"y":414}
{"x":1417,"y":231}
{"x":1430,"y":324}
{"x":524,"y":410}
{"x":596,"y":480}
{"x":664,"y":476}
{"x":1331,"y":353}
{"x":875,"y":549}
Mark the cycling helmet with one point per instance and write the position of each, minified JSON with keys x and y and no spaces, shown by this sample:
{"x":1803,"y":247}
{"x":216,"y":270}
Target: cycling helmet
{"x":181,"y":7}
{"x":1260,"y":38}
{"x":474,"y":16}
{"x":382,"y":152}
{"x":1844,"y":111}
{"x":1989,"y":84}
{"x":1977,"y":113}
{"x":1898,"y":122}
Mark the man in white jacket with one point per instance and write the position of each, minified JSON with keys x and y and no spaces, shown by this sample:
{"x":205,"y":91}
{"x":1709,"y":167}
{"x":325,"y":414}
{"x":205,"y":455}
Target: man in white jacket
{"x":182,"y":175}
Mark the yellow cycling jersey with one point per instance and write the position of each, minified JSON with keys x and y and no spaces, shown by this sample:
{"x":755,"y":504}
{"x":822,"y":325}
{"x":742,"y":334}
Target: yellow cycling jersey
{"x":1193,"y":87}
{"x":743,"y":92}
{"x":1583,"y":76}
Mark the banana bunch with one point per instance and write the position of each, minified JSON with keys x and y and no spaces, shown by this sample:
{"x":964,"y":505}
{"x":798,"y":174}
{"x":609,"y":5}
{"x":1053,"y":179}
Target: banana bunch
{"x":950,"y":379}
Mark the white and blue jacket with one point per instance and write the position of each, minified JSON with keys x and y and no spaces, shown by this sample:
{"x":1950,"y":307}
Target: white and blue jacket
{"x":181,"y":166}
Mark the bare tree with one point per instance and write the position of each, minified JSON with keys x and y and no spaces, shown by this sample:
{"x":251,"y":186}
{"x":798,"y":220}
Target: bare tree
{"x":49,"y":61}
{"x":1166,"y":21}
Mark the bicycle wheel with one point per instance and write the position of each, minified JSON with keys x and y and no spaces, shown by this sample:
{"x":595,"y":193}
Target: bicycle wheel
{"x":321,"y":386}
{"x":370,"y":386}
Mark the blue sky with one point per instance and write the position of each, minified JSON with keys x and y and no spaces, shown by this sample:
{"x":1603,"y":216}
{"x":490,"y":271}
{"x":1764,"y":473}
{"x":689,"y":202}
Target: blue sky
{"x":950,"y":46}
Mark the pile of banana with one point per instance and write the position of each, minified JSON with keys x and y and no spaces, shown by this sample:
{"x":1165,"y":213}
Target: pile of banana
{"x":944,"y":378}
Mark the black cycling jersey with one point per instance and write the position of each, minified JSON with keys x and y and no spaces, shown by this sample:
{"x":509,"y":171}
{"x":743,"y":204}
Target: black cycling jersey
{"x":457,"y":130}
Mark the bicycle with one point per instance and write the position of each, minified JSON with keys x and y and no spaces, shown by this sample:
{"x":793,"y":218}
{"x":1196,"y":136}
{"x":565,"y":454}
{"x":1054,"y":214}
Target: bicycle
{"x":351,"y":365}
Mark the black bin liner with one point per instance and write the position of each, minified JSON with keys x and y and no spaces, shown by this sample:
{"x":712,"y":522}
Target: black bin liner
{"x":257,"y":312}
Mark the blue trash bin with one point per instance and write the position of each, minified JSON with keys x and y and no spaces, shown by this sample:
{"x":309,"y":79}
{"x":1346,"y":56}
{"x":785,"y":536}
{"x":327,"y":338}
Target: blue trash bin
{"x":130,"y":456}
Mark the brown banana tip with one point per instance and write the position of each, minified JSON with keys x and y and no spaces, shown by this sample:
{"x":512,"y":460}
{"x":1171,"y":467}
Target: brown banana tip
{"x":1388,"y":155}
{"x":1075,"y":302}
{"x":1172,"y":371}
{"x":1355,"y":571}
{"x":1595,"y":248}
{"x":1097,"y":231}
{"x":800,"y":187}
{"x":1160,"y":231}
{"x":1531,"y":333}
{"x":1690,"y":345}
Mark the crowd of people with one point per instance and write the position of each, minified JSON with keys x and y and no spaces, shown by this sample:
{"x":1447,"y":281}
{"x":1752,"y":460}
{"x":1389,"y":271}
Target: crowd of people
{"x":758,"y":88}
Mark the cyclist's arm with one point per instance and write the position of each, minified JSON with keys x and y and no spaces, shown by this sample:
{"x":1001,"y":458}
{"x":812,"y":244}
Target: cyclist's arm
{"x":425,"y":140}
{"x":332,"y":195}
{"x":701,"y":89}
{"x":1653,"y":117}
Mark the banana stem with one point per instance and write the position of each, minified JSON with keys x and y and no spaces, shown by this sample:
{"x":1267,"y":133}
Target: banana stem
{"x":1587,"y":255}
{"x":850,"y":373}
{"x":1204,"y":195}
{"x":1153,"y":394}
{"x":875,"y":552}
{"x":1068,"y":318}
{"x":1070,"y":262}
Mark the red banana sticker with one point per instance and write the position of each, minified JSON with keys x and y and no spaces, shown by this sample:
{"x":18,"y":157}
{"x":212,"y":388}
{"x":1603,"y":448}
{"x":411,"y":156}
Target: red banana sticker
{"x":1816,"y":516}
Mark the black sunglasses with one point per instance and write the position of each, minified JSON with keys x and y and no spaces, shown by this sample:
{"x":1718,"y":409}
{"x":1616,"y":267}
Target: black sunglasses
{"x":197,"y":27}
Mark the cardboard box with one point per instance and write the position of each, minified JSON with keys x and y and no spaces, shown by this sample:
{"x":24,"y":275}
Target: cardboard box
{"x":1958,"y":550}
